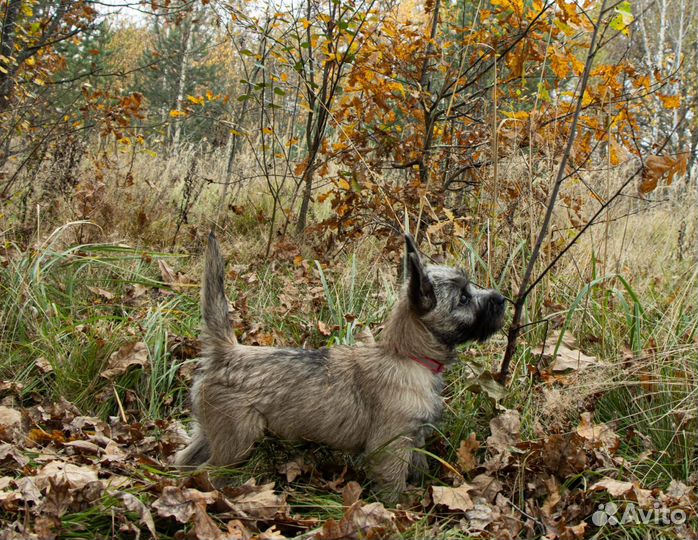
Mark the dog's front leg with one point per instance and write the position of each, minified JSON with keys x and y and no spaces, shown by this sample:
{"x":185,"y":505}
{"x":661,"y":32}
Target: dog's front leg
{"x":389,"y":464}
{"x":419,"y":466}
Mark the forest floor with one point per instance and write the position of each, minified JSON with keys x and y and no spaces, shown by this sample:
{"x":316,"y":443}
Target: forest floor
{"x":99,"y":345}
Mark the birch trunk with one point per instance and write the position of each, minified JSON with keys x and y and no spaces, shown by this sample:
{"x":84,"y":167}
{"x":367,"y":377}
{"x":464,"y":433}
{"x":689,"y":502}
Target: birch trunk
{"x":182,"y":80}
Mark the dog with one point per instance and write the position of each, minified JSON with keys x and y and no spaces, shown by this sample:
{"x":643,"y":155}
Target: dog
{"x":377,"y":400}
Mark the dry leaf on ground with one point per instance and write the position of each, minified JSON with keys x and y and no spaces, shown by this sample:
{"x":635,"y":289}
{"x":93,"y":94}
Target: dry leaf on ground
{"x":600,"y":435}
{"x":101,"y":292}
{"x":351,"y":493}
{"x":75,"y":476}
{"x":452,"y":498}
{"x":11,"y":452}
{"x":131,"y":354}
{"x":506,"y":431}
{"x":251,"y":501}
{"x":176,"y":280}
{"x":619,"y":488}
{"x":568,"y":357}
{"x":134,"y":504}
{"x":360,"y":522}
{"x":485,"y":486}
{"x":293,"y":469}
{"x":180,"y":503}
{"x":467,"y":460}
{"x":10,"y":424}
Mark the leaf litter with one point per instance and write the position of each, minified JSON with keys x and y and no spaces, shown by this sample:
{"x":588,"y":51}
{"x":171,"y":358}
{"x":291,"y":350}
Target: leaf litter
{"x":55,"y":462}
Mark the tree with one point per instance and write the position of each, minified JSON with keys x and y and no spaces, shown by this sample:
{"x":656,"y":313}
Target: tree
{"x":177,"y":68}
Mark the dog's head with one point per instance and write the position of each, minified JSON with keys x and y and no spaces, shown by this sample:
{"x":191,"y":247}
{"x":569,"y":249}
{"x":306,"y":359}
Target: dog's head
{"x":452,"y":308}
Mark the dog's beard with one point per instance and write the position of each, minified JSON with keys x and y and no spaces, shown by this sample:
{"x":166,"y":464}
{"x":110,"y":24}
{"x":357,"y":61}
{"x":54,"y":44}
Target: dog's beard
{"x":489,"y":321}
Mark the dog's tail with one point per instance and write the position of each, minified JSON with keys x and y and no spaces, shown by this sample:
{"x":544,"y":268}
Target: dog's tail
{"x":214,"y":306}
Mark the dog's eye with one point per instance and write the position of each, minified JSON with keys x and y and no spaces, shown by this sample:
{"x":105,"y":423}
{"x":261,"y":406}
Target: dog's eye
{"x":464,"y":298}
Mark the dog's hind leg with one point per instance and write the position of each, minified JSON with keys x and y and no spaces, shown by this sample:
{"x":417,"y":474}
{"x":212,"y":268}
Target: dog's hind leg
{"x":233,"y":435}
{"x":196,"y":452}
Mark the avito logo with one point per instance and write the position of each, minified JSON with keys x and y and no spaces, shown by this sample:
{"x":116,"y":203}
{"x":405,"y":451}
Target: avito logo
{"x":608,"y":515}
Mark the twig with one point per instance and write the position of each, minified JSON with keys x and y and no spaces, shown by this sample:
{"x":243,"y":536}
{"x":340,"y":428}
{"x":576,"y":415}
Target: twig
{"x":524,"y":288}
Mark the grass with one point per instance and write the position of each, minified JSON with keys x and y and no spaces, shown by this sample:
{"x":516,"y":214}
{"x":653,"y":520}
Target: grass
{"x":50,"y":312}
{"x":71,"y":306}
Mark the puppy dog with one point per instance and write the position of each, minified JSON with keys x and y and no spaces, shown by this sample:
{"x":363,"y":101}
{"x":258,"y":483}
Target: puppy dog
{"x":377,"y":399}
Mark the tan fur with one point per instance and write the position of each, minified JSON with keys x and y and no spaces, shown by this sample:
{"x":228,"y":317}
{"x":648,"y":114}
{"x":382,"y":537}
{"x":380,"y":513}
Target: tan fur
{"x":374,"y":399}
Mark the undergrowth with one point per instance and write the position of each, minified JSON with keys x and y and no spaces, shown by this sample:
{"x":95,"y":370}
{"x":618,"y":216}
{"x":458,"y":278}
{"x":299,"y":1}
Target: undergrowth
{"x":66,"y":309}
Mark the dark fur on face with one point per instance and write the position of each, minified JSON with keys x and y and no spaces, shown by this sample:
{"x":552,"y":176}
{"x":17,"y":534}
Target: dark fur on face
{"x":377,"y":399}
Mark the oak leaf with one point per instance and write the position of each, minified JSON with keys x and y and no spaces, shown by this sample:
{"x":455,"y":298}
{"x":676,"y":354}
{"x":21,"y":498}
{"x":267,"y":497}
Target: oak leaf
{"x":467,"y":460}
{"x":131,"y":354}
{"x":452,"y":498}
{"x":600,"y":435}
{"x":74,"y":476}
{"x":567,"y":357}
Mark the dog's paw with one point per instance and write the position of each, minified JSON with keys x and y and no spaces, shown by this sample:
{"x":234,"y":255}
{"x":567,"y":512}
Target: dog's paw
{"x":419,"y":467}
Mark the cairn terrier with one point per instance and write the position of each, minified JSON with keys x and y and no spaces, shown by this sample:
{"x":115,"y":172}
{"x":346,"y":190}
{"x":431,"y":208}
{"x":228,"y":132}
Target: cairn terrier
{"x":378,"y":399}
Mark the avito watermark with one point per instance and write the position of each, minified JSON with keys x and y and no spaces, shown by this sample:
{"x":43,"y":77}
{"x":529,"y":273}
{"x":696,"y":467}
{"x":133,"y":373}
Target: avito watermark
{"x":609,"y":514}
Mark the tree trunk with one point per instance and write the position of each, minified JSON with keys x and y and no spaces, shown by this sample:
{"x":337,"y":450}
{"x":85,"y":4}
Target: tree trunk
{"x":239,"y":119}
{"x":7,"y":45}
{"x":305,"y":202}
{"x":182,"y":80}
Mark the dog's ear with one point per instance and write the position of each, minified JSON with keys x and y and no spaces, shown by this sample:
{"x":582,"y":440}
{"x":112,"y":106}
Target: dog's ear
{"x":420,"y":290}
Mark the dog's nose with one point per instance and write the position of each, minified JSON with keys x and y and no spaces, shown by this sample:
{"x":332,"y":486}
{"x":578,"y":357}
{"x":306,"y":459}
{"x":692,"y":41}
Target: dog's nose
{"x":497,"y":300}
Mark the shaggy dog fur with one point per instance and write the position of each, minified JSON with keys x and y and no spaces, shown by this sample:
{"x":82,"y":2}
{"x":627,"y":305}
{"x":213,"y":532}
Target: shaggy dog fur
{"x":378,"y":399}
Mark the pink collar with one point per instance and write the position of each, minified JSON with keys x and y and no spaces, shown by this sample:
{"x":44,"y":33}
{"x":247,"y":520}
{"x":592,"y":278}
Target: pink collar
{"x":432,"y":365}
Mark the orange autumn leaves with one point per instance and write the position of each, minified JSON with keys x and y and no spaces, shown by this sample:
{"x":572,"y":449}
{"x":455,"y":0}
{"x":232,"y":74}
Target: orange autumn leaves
{"x":424,"y":106}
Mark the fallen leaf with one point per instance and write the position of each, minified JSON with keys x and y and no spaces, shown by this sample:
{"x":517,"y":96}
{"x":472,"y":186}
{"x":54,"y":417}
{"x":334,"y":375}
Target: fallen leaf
{"x":680,"y":492}
{"x":11,"y":501}
{"x":101,"y":292}
{"x":552,"y":499}
{"x":360,"y":522}
{"x":131,"y":354}
{"x":113,"y":453}
{"x":292,"y":469}
{"x":272,"y":534}
{"x":43,"y":365}
{"x":134,"y":504}
{"x":10,"y":451}
{"x":47,"y":527}
{"x":204,"y":527}
{"x":10,"y":424}
{"x":58,"y":498}
{"x":505,"y":429}
{"x":486,"y":486}
{"x":75,"y":476}
{"x":135,"y":294}
{"x":324,"y":329}
{"x":452,"y":498}
{"x":27,"y":487}
{"x":487,"y":383}
{"x":83,"y":447}
{"x":567,"y":357}
{"x":508,"y":522}
{"x":559,"y":454}
{"x":479,"y":516}
{"x":600,"y":435}
{"x":176,"y":280}
{"x":629,"y":490}
{"x":351,"y":493}
{"x":574,"y":532}
{"x":180,"y":503}
{"x":257,"y":502}
{"x":237,"y":531}
{"x":467,"y":461}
